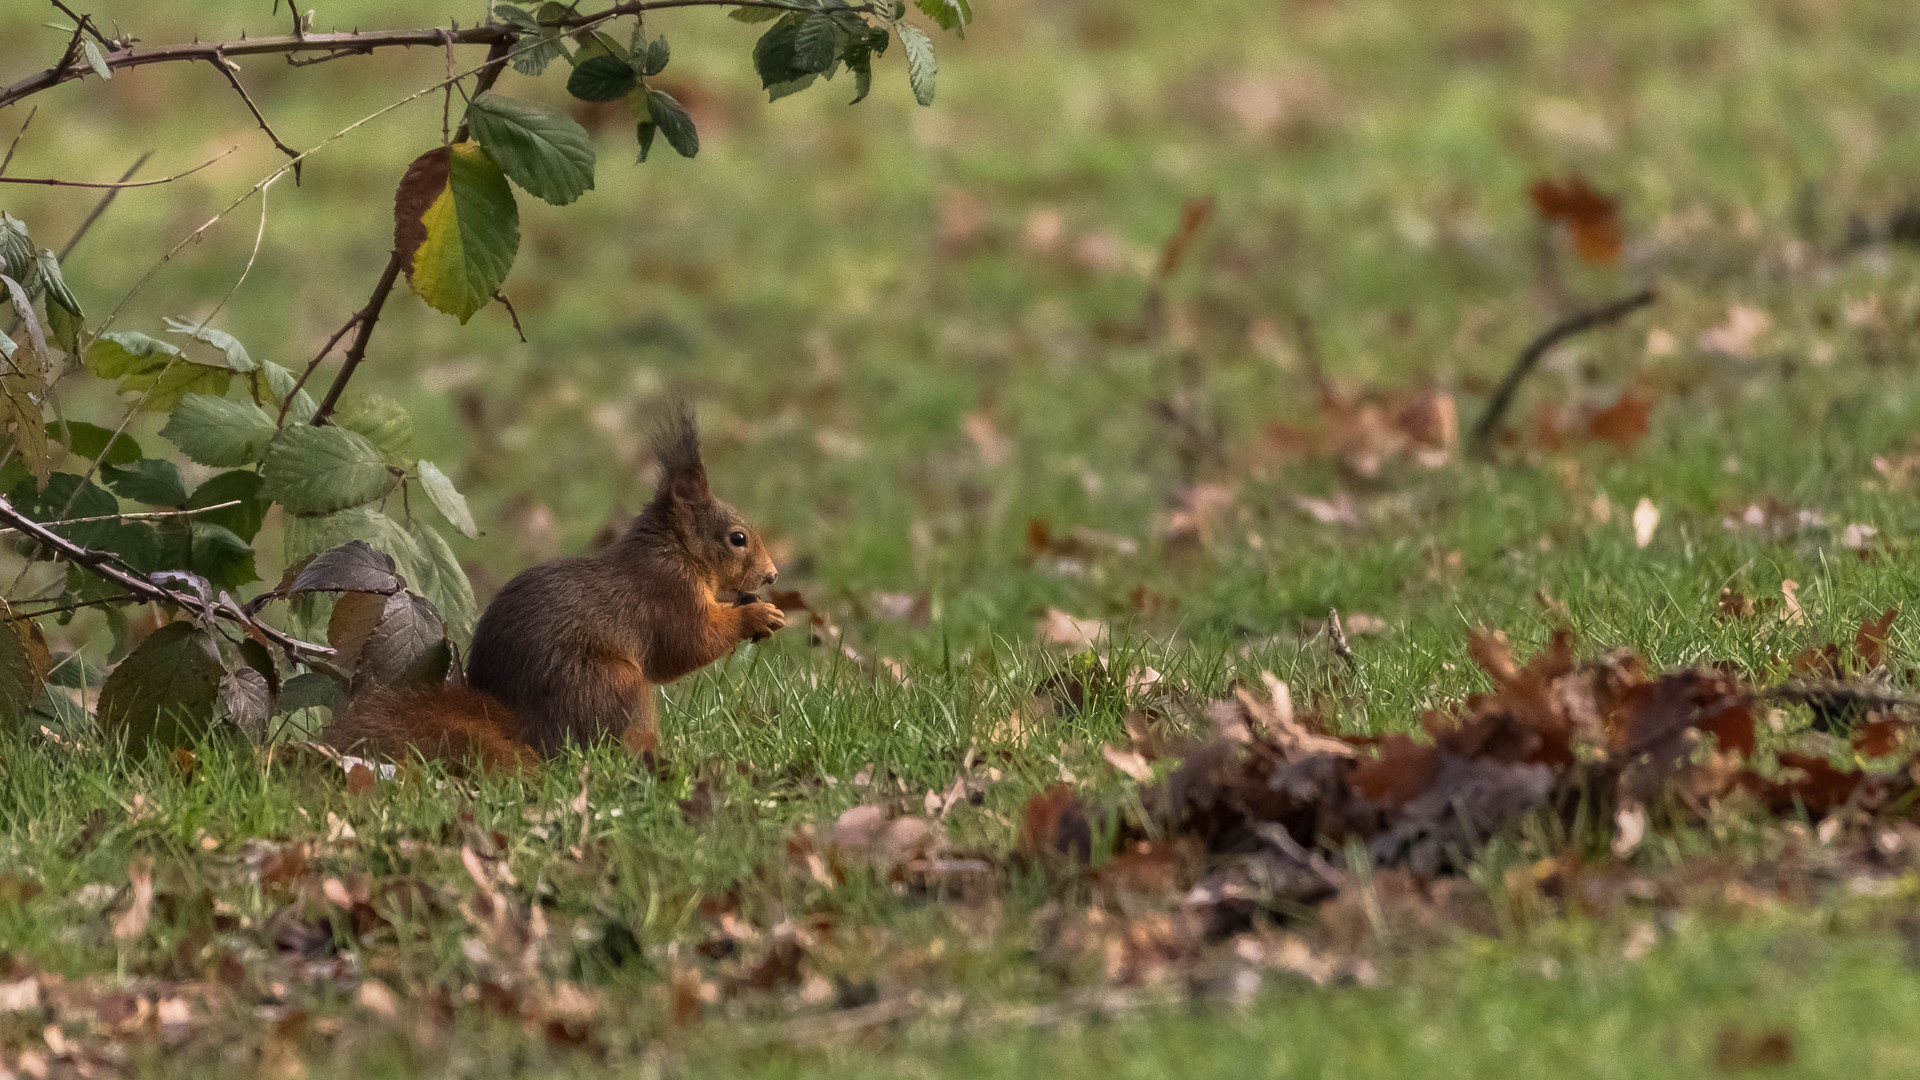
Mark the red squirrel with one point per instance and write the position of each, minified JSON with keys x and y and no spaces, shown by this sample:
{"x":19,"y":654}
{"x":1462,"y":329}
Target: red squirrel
{"x":570,"y":650}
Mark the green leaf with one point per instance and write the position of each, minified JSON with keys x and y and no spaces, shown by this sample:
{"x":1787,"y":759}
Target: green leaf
{"x":950,"y":14}
{"x":773,"y":53}
{"x":860,"y":62}
{"x":673,"y":122}
{"x":162,"y":695}
{"x":790,"y":87}
{"x":753,"y":14}
{"x":218,"y":432}
{"x":220,"y":555}
{"x":155,"y":369}
{"x":539,"y":147}
{"x":537,"y":50}
{"x":318,"y":470}
{"x":246,"y":701}
{"x":658,"y":53}
{"x":48,"y":265}
{"x":148,"y":480}
{"x":817,"y":43}
{"x":229,"y":346}
{"x":92,"y":440}
{"x":921,"y":68}
{"x":65,"y":329}
{"x":96,"y":59}
{"x":16,"y":248}
{"x":645,"y":136}
{"x":516,"y":16}
{"x":281,"y":382}
{"x":436,"y":573}
{"x":456,"y":224}
{"x":383,"y":421}
{"x":241,"y":485}
{"x":23,"y":671}
{"x":602,"y":78}
{"x":447,"y":499}
{"x":310,"y":690}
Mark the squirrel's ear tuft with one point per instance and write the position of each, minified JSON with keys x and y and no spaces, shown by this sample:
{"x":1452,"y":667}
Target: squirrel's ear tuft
{"x":676,"y":445}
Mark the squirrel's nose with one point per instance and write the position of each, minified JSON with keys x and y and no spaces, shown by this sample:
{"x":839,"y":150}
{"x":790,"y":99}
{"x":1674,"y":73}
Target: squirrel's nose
{"x":772,"y":576}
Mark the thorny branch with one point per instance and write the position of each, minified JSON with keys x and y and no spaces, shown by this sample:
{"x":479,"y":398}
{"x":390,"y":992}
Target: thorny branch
{"x":101,"y":564}
{"x":227,"y":68}
{"x":350,"y":43}
{"x":51,"y":182}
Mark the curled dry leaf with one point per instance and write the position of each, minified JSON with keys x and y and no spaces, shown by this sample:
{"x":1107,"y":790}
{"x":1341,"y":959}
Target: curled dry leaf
{"x":1129,"y":763}
{"x":1076,"y":634}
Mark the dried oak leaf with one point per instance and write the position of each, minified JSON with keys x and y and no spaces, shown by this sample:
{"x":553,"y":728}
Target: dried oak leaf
{"x":1593,"y":219}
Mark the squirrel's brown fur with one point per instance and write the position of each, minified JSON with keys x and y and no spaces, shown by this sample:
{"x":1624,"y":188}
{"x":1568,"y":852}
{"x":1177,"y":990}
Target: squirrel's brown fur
{"x":569,"y":651}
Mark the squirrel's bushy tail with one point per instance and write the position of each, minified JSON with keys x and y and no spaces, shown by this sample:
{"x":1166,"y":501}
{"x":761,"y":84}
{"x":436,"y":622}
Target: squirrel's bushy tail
{"x":457,"y":725}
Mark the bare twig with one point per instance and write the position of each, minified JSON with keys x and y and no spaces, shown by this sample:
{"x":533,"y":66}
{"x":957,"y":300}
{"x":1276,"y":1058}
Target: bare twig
{"x":360,"y":42}
{"x":45,"y":181}
{"x":84,"y":22}
{"x":15,"y":144}
{"x":228,"y":69}
{"x":1337,"y":634}
{"x":364,"y":320}
{"x":101,"y":565}
{"x":512,"y":314}
{"x":100,"y":207}
{"x":102,"y":601}
{"x":141,"y":515}
{"x":1538,"y":347}
{"x":1835,"y":696}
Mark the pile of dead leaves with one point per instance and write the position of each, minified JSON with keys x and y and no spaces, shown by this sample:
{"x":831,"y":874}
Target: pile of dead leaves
{"x":1273,"y":819}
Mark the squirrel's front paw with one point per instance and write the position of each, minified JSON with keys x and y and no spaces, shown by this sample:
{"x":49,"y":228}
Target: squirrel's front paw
{"x":759,"y":620}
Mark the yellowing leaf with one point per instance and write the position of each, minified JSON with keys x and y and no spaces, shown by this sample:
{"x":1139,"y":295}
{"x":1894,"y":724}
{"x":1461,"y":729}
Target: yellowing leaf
{"x":457,"y":226}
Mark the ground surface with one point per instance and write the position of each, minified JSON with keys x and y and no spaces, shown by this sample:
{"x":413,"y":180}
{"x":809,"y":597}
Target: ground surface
{"x":915,"y":333}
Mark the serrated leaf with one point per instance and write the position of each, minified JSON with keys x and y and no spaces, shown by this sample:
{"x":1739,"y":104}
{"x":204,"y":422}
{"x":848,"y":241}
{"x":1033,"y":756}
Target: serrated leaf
{"x":790,"y":87}
{"x":48,"y":265}
{"x":516,"y":16}
{"x":311,"y":690}
{"x":354,"y":617}
{"x":318,"y":470}
{"x":240,"y":485}
{"x":219,"y":432}
{"x":658,"y":54}
{"x":949,"y":14}
{"x":383,"y":421}
{"x":817,"y":43}
{"x":539,"y":147}
{"x":246,"y":701}
{"x":408,"y":647}
{"x":537,"y":50}
{"x":155,"y":369}
{"x":65,"y":329}
{"x":921,"y":66}
{"x":860,"y":62}
{"x":23,"y":389}
{"x":163,"y":694}
{"x":92,"y":440}
{"x":124,"y":352}
{"x":457,"y":227}
{"x":16,"y":248}
{"x":220,"y":555}
{"x":23,"y":671}
{"x":281,"y":382}
{"x":673,"y":122}
{"x":773,"y":53}
{"x":356,"y":566}
{"x":437,"y":574}
{"x":229,"y":346}
{"x":149,"y":480}
{"x":96,"y":59}
{"x":602,"y":78}
{"x":447,"y":499}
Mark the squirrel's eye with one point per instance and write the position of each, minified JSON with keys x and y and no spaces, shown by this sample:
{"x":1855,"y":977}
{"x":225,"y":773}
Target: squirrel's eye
{"x":737,"y":538}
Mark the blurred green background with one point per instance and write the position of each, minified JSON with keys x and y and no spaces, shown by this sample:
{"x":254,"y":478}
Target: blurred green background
{"x":910,"y":331}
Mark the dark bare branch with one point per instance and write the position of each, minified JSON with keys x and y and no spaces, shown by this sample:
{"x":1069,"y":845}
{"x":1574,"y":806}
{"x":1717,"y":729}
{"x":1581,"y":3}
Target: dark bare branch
{"x":101,"y":565}
{"x":363,"y":321}
{"x":228,"y":69}
{"x":358,"y":42}
{"x":1554,"y":335}
{"x":100,"y":207}
{"x":45,"y":181}
{"x":15,"y":144}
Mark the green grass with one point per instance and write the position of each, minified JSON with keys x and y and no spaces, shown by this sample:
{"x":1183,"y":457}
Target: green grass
{"x":796,"y":282}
